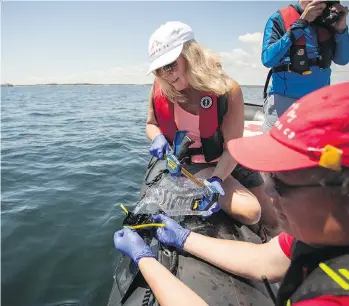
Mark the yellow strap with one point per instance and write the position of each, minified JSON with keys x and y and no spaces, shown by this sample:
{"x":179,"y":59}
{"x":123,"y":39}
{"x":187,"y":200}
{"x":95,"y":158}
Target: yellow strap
{"x":145,"y":225}
{"x":334,"y":276}
{"x":344,"y":272}
{"x":124,"y":209}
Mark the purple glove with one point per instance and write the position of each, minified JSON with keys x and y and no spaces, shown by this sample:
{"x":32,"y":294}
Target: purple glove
{"x":131,"y":244}
{"x":216,"y":184}
{"x":172,"y":233}
{"x":159,"y":147}
{"x":213,"y":209}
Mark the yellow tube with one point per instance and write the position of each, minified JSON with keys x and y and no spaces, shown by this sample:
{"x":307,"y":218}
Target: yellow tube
{"x":145,"y":225}
{"x":124,"y":209}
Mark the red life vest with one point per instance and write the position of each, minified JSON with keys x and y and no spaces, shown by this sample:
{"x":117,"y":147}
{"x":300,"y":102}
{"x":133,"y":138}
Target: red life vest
{"x":299,"y":61}
{"x":212,"y":111}
{"x":290,"y":14}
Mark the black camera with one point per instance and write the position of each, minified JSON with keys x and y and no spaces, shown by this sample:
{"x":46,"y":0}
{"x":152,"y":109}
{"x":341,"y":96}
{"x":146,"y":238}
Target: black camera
{"x":328,"y":17}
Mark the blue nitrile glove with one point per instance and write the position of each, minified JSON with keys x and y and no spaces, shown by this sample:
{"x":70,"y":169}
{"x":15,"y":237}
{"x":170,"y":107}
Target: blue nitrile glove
{"x":172,"y":233}
{"x":216,"y":184}
{"x":159,"y":146}
{"x":213,"y":209}
{"x":128,"y":242}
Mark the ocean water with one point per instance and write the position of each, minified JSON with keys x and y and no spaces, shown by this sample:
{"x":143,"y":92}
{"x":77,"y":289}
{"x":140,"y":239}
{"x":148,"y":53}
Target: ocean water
{"x":69,"y":156}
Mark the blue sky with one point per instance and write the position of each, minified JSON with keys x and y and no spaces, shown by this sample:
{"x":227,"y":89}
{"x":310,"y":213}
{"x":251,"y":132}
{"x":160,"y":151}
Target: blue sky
{"x":107,"y":42}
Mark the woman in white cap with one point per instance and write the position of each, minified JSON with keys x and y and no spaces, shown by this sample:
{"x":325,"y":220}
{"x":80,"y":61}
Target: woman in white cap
{"x":191,"y":92}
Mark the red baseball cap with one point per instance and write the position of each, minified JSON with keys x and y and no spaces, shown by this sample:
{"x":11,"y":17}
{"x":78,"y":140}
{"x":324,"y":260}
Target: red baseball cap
{"x":313,"y":132}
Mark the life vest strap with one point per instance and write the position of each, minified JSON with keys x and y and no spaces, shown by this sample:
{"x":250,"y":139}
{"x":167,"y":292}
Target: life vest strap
{"x":312,"y":62}
{"x":195,"y":151}
{"x":285,"y":68}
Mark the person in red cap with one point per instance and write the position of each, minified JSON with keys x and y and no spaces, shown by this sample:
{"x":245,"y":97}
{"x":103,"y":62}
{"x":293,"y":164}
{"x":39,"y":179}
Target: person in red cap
{"x":306,"y":158}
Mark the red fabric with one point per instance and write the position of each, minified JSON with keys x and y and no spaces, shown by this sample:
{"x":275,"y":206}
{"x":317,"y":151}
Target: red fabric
{"x":208,"y":122}
{"x":325,"y":301}
{"x":285,"y":241}
{"x":324,"y":34}
{"x":289,"y":15}
{"x":299,"y":138}
{"x":164,"y":111}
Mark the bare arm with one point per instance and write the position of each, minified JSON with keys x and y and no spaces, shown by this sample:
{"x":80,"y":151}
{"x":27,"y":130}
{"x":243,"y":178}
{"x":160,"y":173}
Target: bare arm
{"x":245,"y":259}
{"x":232,"y":127}
{"x":168,"y":289}
{"x":152,"y":129}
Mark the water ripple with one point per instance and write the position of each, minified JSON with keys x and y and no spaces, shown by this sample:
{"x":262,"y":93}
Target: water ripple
{"x":70,"y":155}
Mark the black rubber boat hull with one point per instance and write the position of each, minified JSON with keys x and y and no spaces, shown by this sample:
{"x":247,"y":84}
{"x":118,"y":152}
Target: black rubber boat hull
{"x":214,"y":285}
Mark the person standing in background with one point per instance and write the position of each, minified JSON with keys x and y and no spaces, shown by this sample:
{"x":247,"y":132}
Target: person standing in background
{"x":299,"y":45}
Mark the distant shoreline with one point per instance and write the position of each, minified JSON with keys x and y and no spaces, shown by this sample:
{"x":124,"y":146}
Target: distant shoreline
{"x":92,"y":84}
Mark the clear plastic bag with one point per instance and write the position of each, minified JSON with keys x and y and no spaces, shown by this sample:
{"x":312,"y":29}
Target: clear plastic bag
{"x":173,"y":195}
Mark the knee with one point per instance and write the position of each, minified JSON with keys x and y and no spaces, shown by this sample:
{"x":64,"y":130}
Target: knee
{"x":252,"y":212}
{"x":245,"y":209}
{"x":240,"y":203}
{"x":268,"y":216}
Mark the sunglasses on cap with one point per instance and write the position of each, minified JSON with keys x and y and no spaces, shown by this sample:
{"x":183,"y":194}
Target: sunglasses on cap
{"x":168,"y":68}
{"x":281,"y":188}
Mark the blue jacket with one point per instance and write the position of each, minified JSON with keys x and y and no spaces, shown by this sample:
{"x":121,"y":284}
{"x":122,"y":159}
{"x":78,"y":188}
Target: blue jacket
{"x":276,"y":43}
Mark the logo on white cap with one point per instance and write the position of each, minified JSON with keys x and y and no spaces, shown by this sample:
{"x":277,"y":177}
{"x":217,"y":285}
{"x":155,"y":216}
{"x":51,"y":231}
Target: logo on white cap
{"x":166,"y":43}
{"x":206,"y":102}
{"x":157,"y":47}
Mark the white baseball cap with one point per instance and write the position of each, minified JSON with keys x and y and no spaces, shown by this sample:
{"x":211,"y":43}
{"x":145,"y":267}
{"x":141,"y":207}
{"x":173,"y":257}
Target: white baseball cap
{"x":166,"y":43}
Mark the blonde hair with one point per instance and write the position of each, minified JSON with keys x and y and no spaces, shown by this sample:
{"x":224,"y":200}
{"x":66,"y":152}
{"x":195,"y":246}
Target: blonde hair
{"x":204,"y":71}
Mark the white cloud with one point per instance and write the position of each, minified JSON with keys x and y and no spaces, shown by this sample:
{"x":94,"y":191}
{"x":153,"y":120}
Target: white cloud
{"x":234,"y":55}
{"x":242,"y":64}
{"x":252,"y":38}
